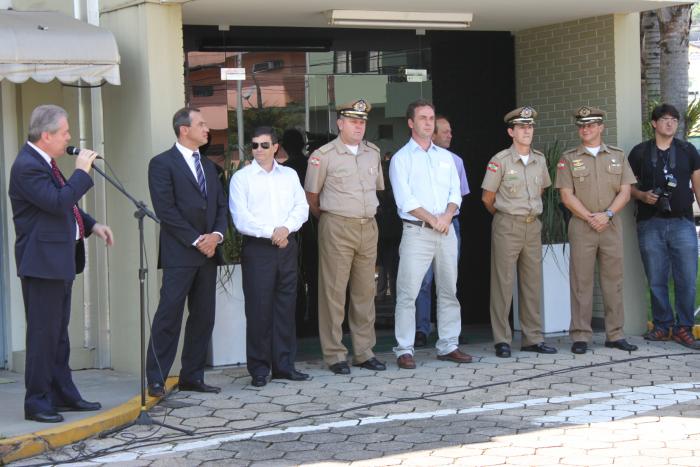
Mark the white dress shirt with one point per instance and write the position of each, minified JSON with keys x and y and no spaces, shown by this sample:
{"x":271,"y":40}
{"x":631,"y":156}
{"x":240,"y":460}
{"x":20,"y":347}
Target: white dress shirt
{"x":187,"y":154}
{"x":424,"y":179}
{"x":260,"y":201}
{"x":47,"y":158}
{"x":189,"y":159}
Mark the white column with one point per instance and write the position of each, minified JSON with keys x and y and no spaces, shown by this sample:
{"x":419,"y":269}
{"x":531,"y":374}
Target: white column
{"x":628,"y":96}
{"x":138,"y":125}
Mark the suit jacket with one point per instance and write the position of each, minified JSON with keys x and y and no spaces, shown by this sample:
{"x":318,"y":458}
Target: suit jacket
{"x":42,"y":212}
{"x":184,"y":212}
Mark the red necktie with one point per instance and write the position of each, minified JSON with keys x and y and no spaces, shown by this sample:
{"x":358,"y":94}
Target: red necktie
{"x":76,"y":212}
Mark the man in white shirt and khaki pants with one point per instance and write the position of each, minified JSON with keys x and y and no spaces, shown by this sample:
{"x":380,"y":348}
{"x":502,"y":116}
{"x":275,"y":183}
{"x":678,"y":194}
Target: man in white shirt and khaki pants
{"x":427,"y":191}
{"x":268,"y":206}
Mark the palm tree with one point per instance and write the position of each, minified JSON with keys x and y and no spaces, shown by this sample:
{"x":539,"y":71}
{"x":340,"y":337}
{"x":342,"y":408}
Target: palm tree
{"x":674,"y":29}
{"x":650,"y":57}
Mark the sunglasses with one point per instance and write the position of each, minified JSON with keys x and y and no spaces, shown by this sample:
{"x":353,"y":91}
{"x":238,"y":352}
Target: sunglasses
{"x":264,"y":145}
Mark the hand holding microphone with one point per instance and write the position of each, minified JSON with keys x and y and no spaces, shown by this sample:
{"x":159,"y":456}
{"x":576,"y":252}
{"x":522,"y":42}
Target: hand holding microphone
{"x":84,"y":159}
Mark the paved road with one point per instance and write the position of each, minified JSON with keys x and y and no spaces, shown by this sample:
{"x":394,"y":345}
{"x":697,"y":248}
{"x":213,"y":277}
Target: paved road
{"x":604,"y":408}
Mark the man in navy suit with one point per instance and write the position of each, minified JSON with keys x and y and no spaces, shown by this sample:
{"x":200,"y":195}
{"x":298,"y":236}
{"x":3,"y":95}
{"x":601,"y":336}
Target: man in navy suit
{"x":189,"y":200}
{"x":49,"y":251}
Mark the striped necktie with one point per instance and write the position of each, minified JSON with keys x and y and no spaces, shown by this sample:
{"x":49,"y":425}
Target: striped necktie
{"x":200,"y":174}
{"x":76,"y":213}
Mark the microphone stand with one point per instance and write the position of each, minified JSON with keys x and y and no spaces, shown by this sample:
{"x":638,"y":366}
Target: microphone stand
{"x":141,"y":211}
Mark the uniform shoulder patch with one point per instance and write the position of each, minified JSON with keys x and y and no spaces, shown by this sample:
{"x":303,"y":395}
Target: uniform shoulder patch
{"x":614,"y":148}
{"x":539,"y":153}
{"x":314,"y":160}
{"x":561,"y":164}
{"x":494,"y":166}
{"x":372,"y":146}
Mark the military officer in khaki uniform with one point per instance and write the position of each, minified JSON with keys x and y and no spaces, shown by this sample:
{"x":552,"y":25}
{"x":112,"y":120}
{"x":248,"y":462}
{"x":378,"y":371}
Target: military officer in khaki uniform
{"x":341,"y":186}
{"x":594,"y":180}
{"x":512,"y":192}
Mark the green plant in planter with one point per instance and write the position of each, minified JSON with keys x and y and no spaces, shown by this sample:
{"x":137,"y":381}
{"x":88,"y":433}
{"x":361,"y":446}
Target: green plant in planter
{"x":553,"y":221}
{"x":231,"y":247}
{"x":233,"y":240}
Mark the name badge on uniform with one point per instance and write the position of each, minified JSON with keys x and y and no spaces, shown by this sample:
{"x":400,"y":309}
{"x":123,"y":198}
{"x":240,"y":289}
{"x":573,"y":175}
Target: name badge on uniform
{"x":373,"y":171}
{"x":577,"y":162}
{"x":512,"y":172}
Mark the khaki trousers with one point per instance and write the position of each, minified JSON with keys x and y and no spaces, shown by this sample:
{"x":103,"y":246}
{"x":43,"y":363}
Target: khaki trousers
{"x":587,"y":245}
{"x":515,"y":242}
{"x":347,"y":253}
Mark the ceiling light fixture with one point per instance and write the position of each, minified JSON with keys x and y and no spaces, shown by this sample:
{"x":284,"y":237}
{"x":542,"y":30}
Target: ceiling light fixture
{"x":399,"y":19}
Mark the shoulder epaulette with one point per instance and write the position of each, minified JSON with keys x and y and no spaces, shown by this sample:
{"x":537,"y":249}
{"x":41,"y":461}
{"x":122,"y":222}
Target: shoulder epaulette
{"x":326,"y":148}
{"x":615,"y":148}
{"x":502,"y":154}
{"x":538,"y":152}
{"x":372,"y":146}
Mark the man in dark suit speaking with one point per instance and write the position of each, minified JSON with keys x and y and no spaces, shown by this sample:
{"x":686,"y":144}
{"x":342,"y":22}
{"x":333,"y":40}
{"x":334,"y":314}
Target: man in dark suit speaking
{"x":49,"y":251}
{"x":189,"y":200}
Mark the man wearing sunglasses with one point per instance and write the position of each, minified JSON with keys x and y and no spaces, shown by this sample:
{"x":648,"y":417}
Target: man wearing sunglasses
{"x":268,"y":207}
{"x":341,"y":186}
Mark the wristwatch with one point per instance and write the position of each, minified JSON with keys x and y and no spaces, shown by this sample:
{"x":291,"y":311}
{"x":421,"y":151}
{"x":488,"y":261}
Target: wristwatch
{"x":609,"y":213}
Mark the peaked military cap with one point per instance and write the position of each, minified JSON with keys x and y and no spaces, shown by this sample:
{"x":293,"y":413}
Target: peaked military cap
{"x":355,"y":109}
{"x":522,"y":115}
{"x":586,"y":114}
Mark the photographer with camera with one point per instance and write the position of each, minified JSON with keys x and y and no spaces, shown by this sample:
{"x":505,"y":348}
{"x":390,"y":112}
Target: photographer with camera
{"x":668,"y":174}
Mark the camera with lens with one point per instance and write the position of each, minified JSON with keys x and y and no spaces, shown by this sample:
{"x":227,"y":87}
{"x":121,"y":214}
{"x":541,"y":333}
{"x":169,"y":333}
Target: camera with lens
{"x":663,"y":204}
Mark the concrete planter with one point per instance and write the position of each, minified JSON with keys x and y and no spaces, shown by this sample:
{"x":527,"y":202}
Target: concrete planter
{"x":228,"y":342}
{"x":555,"y":306}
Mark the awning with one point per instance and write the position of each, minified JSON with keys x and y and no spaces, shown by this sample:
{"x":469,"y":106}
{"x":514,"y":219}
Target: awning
{"x":43,"y":45}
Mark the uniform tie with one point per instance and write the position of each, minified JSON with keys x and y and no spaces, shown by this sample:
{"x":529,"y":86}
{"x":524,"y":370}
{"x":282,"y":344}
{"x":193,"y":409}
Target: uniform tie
{"x":76,"y":213}
{"x":200,"y":174}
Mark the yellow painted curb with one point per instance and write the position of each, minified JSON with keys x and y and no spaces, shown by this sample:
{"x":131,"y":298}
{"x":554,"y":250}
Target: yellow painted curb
{"x":23,"y":446}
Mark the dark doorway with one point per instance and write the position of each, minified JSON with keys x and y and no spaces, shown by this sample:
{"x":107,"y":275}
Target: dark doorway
{"x":474,"y":86}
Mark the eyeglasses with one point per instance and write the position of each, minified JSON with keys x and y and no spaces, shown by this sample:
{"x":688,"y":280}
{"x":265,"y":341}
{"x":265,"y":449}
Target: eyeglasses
{"x":669,"y":119}
{"x":264,"y":145}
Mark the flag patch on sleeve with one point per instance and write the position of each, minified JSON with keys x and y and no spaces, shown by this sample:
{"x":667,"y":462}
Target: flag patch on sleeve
{"x":493,"y":166}
{"x":561,"y":164}
{"x":314,"y":160}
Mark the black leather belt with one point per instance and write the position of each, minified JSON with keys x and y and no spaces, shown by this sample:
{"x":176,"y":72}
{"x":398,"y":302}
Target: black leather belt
{"x":265,"y":241}
{"x":418,"y":223}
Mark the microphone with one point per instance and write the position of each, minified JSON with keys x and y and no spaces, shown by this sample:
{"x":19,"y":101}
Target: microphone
{"x":73,"y":151}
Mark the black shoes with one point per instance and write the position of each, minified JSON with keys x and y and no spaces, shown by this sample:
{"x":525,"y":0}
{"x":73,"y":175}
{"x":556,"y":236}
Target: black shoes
{"x":372,"y":364}
{"x":502,"y":350}
{"x":156,"y":390}
{"x":79,"y":406}
{"x":197,"y":386}
{"x":621,"y":344}
{"x":43,"y":417}
{"x":340,"y":368}
{"x":579,"y":347}
{"x":421,"y":340}
{"x":539,"y":348}
{"x":293,"y":375}
{"x":259,"y":381}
